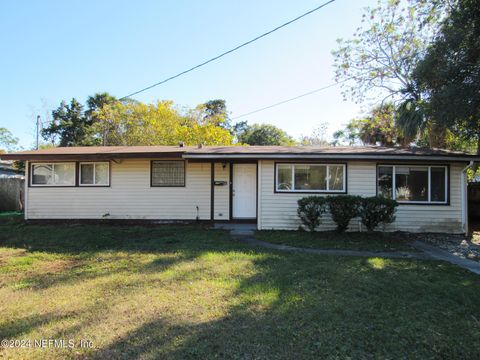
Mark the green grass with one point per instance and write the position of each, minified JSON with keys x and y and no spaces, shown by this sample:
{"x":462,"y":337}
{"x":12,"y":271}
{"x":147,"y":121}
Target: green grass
{"x":376,"y":241}
{"x":10,"y":217}
{"x":191,"y":293}
{"x":10,"y":214}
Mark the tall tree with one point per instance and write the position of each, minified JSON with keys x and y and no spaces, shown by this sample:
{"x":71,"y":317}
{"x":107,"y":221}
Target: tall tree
{"x":264,"y":134}
{"x":72,"y":124}
{"x":393,"y":36}
{"x":378,"y":128}
{"x":96,"y":102}
{"x":133,"y":123}
{"x":7,"y":140}
{"x":69,"y":124}
{"x":449,"y":75}
{"x":377,"y":63}
{"x":216,"y":111}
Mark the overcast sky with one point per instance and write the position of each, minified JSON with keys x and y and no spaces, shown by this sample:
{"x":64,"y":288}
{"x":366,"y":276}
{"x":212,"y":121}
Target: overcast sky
{"x":54,"y":50}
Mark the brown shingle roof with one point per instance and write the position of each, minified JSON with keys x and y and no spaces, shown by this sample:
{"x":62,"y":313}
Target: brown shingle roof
{"x":351,"y":152}
{"x":341,"y":150}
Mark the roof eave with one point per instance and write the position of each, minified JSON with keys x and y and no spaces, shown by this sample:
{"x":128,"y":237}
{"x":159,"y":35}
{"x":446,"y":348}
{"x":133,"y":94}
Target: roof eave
{"x":369,"y":157}
{"x":98,"y":156}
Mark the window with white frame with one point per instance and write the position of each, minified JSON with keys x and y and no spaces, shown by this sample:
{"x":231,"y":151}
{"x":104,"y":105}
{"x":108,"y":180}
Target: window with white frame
{"x":94,"y":174}
{"x":168,"y":173}
{"x":413,"y":183}
{"x":52,"y":174}
{"x":310,"y":178}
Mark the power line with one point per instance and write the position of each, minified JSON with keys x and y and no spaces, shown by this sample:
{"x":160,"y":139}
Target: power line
{"x":229,"y":51}
{"x":291,"y":99}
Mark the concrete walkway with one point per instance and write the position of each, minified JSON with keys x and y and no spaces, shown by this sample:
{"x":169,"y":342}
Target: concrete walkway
{"x":245,"y":233}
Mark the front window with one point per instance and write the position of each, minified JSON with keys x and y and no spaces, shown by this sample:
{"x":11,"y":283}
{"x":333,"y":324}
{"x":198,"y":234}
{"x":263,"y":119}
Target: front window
{"x":413,"y":184}
{"x":168,"y":173}
{"x":54,"y":174}
{"x":94,"y":174}
{"x":310,"y":178}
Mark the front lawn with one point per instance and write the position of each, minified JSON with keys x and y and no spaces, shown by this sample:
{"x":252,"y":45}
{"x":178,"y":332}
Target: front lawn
{"x":191,"y":293}
{"x":376,"y":241}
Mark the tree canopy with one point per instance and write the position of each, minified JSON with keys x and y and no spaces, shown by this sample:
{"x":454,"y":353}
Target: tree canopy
{"x":108,"y":121}
{"x":7,"y":140}
{"x":376,"y":63}
{"x":69,"y":124}
{"x":72,"y":125}
{"x":264,"y":134}
{"x":316,"y":138}
{"x":160,"y":123}
{"x":377,"y":128}
{"x":449,"y":74}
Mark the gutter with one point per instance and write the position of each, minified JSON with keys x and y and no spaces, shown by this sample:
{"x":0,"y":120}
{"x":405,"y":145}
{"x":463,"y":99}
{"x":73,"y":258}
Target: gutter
{"x":465,"y":197}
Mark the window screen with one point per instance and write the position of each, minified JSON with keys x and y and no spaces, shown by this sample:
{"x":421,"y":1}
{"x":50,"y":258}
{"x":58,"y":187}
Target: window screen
{"x":168,"y":173}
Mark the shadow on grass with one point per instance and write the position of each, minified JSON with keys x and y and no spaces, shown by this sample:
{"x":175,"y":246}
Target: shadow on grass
{"x":100,"y":251}
{"x":287,"y":305}
{"x":78,"y":239}
{"x":310,"y":307}
{"x":14,"y":330}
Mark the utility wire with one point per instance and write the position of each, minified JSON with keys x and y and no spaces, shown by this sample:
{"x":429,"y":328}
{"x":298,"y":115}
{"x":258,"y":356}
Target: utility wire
{"x":291,"y":99}
{"x":229,"y":51}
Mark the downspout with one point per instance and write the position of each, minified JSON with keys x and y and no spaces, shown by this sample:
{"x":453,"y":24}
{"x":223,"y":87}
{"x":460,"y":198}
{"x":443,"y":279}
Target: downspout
{"x":465,"y":198}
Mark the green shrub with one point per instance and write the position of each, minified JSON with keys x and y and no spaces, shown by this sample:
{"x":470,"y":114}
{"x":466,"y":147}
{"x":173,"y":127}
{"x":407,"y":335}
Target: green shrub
{"x":377,"y":210}
{"x":343,"y":208}
{"x":310,"y":210}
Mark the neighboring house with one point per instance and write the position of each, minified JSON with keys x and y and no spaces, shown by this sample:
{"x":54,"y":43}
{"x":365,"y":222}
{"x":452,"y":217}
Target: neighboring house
{"x":11,"y":187}
{"x":7,"y":169}
{"x":260,"y":184}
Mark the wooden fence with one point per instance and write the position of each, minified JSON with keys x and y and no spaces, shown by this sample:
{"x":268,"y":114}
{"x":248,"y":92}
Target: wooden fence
{"x":11,"y":193}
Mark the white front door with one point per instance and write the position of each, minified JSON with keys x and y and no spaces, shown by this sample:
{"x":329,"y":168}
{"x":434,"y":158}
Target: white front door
{"x":244,"y":194}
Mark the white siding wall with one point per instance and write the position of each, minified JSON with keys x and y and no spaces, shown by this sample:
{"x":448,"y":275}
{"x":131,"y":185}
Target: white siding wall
{"x":222,"y":193}
{"x":278,"y":211}
{"x":129,"y":197}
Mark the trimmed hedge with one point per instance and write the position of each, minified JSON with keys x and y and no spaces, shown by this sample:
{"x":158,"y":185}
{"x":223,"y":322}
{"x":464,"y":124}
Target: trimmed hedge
{"x":373,"y":210}
{"x":344,"y":208}
{"x":377,"y":210}
{"x":310,"y":210}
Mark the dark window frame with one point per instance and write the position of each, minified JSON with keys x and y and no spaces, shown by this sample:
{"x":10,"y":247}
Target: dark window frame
{"x":332,"y":192}
{"x":30,"y":174}
{"x":429,"y":166}
{"x":79,"y":172}
{"x":169,"y":186}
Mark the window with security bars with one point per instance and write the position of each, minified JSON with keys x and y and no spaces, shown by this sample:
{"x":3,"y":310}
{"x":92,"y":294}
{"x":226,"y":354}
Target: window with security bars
{"x":168,"y":173}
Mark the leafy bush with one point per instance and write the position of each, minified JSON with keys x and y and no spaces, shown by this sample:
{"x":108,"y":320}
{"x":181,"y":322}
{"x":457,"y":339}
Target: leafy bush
{"x":310,"y":210}
{"x":377,"y":210}
{"x":343,"y":208}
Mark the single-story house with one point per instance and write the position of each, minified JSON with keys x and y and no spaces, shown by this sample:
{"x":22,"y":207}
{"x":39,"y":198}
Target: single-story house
{"x":7,"y":169}
{"x":260,"y":184}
